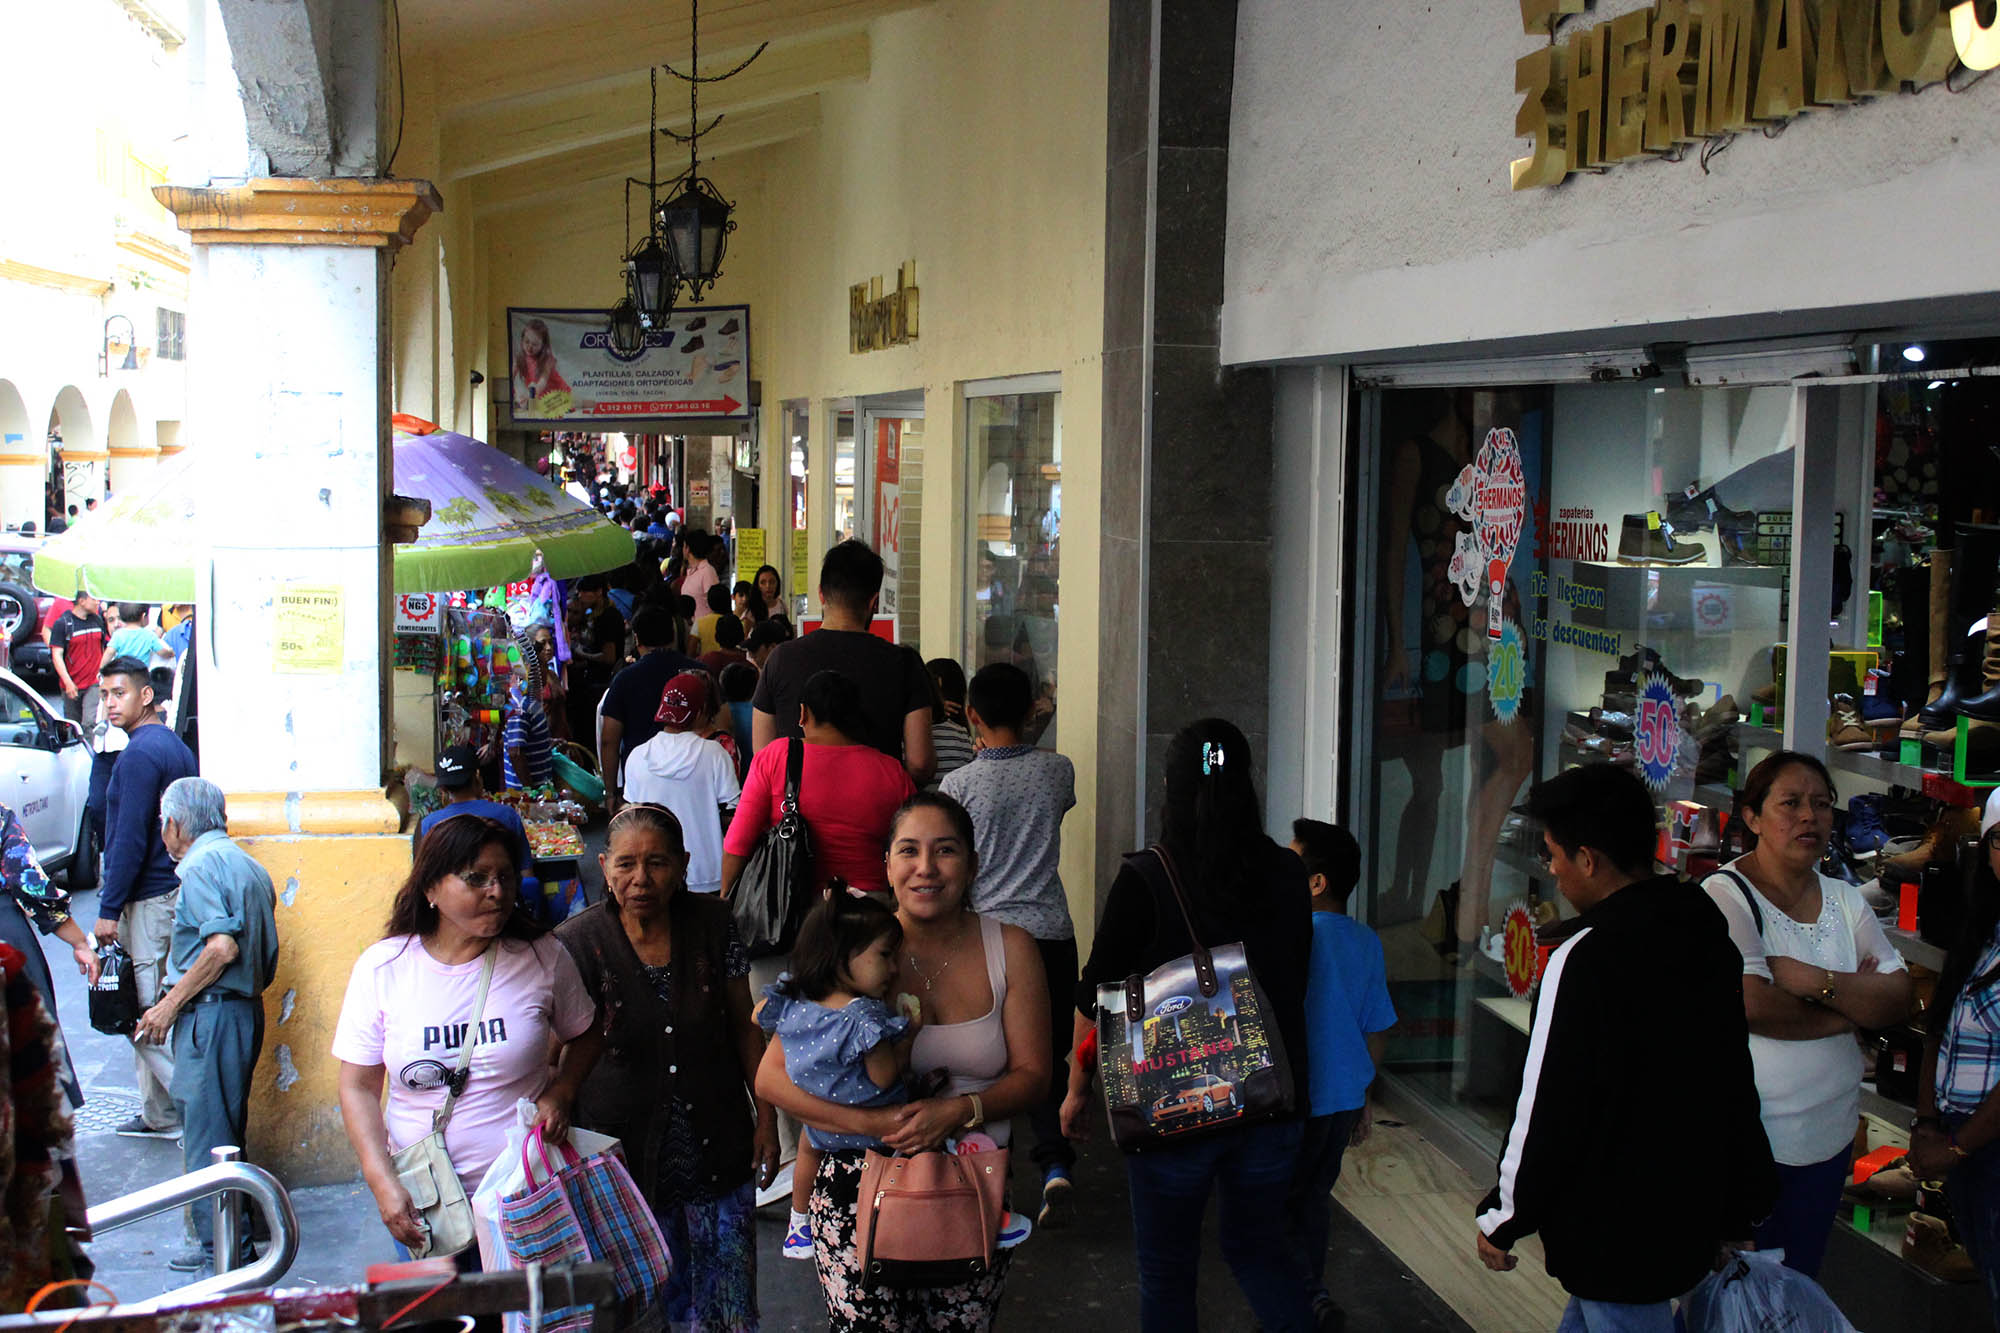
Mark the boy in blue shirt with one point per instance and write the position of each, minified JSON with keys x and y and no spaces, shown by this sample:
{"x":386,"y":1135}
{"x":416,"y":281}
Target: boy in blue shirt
{"x":1348,"y":1015}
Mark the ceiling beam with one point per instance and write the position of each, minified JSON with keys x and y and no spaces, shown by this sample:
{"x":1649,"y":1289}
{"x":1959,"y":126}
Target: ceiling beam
{"x":518,"y":63}
{"x":605,"y":166}
{"x":558,"y":123}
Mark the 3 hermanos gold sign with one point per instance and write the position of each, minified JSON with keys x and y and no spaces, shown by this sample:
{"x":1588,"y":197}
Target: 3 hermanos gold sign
{"x":876,"y":321}
{"x":1680,"y":71}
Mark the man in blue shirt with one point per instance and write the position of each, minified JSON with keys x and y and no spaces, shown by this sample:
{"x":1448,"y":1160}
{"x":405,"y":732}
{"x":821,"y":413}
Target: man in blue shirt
{"x":225,"y":948}
{"x":135,"y":898}
{"x":1348,"y":1015}
{"x":464,"y":793}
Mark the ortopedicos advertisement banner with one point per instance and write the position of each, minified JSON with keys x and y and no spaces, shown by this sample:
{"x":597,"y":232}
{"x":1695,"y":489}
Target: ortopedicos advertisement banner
{"x":564,"y":370}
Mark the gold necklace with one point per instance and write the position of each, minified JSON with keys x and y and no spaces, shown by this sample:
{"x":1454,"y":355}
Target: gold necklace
{"x":929,"y":978}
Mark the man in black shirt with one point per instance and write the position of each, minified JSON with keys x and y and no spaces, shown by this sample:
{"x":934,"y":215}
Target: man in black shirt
{"x":634,"y":696}
{"x":597,"y":649}
{"x":895,"y":689}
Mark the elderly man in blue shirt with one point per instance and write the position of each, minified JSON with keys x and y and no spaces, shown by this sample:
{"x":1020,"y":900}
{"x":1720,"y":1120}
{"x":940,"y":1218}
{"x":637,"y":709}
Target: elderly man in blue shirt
{"x":225,"y":948}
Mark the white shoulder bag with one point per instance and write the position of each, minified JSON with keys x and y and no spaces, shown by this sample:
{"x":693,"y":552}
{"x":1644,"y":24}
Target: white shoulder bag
{"x":425,"y":1167}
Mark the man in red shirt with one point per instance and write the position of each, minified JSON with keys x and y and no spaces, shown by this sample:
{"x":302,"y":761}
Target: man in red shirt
{"x":76,"y":649}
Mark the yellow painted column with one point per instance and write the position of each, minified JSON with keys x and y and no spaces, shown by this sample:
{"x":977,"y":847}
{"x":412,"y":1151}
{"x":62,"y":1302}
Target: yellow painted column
{"x":289,"y":398}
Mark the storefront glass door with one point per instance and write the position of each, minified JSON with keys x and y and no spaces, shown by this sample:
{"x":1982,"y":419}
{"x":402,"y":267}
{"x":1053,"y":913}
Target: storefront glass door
{"x":1567,"y":574}
{"x":1014,"y":477}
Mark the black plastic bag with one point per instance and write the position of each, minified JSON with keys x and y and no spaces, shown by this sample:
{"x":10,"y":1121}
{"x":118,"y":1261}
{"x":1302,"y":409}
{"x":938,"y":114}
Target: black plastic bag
{"x":114,"y":1000}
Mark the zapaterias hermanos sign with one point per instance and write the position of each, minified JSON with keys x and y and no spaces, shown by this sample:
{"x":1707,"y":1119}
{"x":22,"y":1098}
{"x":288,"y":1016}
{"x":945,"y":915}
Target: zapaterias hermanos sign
{"x":1680,"y":71}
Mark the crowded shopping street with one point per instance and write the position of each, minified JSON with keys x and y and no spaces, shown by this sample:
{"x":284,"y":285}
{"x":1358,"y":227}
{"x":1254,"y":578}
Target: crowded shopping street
{"x":700,"y":666}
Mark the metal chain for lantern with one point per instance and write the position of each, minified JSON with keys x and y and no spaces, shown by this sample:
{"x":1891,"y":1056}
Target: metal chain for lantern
{"x":688,"y":233}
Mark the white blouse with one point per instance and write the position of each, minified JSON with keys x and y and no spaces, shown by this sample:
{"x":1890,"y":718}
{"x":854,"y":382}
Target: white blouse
{"x":1811,"y":1090}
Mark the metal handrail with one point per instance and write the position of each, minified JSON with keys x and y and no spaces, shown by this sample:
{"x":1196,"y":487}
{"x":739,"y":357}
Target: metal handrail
{"x":224,"y":1177}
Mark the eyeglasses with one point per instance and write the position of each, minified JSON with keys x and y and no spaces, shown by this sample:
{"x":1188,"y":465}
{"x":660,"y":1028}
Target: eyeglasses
{"x":484,"y":879}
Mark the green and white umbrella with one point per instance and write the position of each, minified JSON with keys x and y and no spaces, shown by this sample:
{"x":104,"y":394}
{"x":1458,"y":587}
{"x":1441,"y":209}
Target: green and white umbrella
{"x":489,"y":515}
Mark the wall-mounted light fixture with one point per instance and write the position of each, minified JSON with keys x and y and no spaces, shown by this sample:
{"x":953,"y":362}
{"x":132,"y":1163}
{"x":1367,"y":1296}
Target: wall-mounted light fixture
{"x":131,"y":361}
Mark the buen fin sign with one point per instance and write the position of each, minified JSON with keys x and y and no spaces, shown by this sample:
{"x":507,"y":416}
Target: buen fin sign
{"x":1680,"y":71}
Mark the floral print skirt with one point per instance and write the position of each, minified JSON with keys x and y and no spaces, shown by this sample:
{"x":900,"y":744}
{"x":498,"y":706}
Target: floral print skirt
{"x":969,"y":1306}
{"x":714,"y":1245}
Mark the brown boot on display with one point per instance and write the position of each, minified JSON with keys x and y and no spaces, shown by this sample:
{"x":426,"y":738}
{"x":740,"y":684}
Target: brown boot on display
{"x":1941,"y":839}
{"x":1927,"y":1243}
{"x":1844,"y":727}
{"x":1940,"y":619}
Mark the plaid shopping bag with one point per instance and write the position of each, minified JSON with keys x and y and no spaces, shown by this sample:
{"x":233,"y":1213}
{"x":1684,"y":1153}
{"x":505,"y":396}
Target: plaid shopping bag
{"x":588,"y":1209}
{"x":538,"y":1225}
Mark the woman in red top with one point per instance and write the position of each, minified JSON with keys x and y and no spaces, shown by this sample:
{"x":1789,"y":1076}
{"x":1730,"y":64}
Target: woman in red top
{"x":849,"y":792}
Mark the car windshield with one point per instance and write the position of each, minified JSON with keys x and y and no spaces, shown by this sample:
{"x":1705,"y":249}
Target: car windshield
{"x":18,"y":567}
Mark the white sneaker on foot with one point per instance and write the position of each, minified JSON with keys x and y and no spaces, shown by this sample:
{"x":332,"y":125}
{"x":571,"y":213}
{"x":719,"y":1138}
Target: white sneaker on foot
{"x":779,"y":1188}
{"x":798,"y":1238}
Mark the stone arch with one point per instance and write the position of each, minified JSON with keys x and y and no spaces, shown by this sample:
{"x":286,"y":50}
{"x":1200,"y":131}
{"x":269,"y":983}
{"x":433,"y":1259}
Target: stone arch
{"x":130,"y":456}
{"x":24,"y":464}
{"x":82,"y":451}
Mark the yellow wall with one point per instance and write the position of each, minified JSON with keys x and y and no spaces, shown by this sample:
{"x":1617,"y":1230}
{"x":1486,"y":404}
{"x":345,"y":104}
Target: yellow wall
{"x":333,"y":896}
{"x":975,"y":147}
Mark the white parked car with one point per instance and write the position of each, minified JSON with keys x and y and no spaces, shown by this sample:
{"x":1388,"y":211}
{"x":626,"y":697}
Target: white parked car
{"x":45,"y":779}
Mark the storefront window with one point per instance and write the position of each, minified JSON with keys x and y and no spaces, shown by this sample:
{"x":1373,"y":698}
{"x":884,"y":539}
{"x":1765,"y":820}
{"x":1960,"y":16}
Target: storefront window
{"x":1014,"y":469}
{"x":798,"y":454}
{"x":845,"y":523}
{"x":1567,"y":575}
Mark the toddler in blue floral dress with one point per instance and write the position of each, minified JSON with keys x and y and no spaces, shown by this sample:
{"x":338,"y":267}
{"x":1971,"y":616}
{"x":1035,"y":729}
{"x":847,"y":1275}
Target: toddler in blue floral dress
{"x":843,"y":1044}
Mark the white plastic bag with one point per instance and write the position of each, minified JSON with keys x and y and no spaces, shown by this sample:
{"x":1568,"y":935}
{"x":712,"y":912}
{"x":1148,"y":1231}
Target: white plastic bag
{"x":1758,"y":1294}
{"x":508,"y":1175}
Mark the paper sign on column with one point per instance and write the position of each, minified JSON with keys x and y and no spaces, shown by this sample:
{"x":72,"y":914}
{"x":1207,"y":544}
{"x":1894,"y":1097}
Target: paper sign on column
{"x":308,"y":629}
{"x":749,"y":551}
{"x":801,"y":560}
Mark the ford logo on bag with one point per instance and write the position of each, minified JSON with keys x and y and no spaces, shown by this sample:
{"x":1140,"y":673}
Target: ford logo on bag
{"x":1173,"y":1004}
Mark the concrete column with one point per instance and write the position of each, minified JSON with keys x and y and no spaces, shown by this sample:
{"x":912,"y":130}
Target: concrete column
{"x":1185,"y":569}
{"x":289,"y":401}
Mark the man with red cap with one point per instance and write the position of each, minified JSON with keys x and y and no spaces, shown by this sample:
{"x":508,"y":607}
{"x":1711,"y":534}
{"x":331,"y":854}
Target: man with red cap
{"x":689,"y":774}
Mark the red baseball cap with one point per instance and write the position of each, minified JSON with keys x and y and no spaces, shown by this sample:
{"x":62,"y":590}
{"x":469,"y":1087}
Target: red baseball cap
{"x":683,"y":700}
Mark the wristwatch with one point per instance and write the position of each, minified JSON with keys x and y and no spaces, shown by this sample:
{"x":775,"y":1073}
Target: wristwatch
{"x":1826,"y":991}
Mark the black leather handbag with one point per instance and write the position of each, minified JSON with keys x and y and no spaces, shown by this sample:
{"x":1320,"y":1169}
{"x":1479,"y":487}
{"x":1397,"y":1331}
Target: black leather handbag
{"x":775,"y":889}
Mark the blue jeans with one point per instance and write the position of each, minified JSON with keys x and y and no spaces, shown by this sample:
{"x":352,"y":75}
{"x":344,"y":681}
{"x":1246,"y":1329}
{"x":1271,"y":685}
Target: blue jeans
{"x":1309,"y":1210}
{"x":1973,"y":1189}
{"x":1251,"y":1171}
{"x":216,"y":1043}
{"x":1802,"y":1220}
{"x":1583,"y":1316}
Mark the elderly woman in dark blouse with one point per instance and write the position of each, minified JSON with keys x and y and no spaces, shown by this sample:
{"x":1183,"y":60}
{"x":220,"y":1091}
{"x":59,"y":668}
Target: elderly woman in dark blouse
{"x":673,"y":991}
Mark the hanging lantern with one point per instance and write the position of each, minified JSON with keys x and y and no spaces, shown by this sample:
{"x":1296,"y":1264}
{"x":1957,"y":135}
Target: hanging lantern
{"x":628,"y":333}
{"x":696,"y":224}
{"x":649,"y":281}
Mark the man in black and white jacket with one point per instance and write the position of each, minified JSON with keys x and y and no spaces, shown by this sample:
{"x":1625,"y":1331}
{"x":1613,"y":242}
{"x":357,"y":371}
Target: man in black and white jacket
{"x":1636,"y":1150}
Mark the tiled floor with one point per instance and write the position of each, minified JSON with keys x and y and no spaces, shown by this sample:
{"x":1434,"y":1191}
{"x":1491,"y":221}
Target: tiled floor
{"x":1420,"y":1204}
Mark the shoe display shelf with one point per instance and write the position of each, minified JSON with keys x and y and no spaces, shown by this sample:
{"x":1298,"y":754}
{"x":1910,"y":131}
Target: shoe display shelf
{"x":1916,"y":949}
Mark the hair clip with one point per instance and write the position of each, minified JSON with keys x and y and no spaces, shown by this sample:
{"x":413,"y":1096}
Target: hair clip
{"x":1212,"y":758}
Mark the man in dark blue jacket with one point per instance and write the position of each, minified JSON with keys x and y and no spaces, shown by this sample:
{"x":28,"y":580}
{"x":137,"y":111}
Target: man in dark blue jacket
{"x":1638,"y":1034}
{"x":135,"y":898}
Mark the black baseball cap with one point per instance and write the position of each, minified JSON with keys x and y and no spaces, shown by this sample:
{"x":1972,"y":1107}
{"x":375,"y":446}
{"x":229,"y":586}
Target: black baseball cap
{"x":457,"y":767}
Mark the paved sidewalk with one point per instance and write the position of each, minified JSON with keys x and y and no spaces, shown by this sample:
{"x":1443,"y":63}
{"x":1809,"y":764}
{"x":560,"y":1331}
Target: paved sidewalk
{"x":1082,"y":1279}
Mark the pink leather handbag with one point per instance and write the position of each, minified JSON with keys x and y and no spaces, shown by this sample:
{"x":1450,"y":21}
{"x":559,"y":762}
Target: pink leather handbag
{"x":929,"y":1220}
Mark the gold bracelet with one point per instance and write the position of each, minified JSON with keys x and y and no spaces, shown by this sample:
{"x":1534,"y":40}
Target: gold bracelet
{"x":978,"y":1112}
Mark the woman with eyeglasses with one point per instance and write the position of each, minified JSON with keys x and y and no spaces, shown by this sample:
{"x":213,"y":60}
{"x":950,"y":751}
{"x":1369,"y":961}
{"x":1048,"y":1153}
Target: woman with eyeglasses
{"x":1957,"y":1131}
{"x":412,"y":1007}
